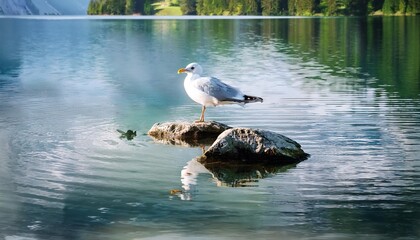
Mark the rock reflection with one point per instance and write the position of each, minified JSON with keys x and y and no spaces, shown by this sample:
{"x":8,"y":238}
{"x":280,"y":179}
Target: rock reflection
{"x":243,"y":175}
{"x":186,"y":142}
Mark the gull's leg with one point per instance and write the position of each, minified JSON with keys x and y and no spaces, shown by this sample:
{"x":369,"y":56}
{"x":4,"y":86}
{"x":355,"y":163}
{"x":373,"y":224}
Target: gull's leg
{"x":203,"y":109}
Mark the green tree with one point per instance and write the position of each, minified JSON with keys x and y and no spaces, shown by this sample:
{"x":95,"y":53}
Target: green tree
{"x":356,"y":7}
{"x":374,"y":5}
{"x":234,"y":7}
{"x":116,"y":7}
{"x":93,"y":7}
{"x":139,"y":6}
{"x":301,"y":7}
{"x":409,"y":7}
{"x":251,"y":7}
{"x":273,"y":7}
{"x":200,"y":7}
{"x":219,"y":7}
{"x":329,"y":7}
{"x":129,"y":7}
{"x":188,"y":7}
{"x":261,"y":7}
{"x":148,"y":9}
{"x":96,"y":7}
{"x":413,"y":7}
{"x":270,"y":7}
{"x":390,"y":6}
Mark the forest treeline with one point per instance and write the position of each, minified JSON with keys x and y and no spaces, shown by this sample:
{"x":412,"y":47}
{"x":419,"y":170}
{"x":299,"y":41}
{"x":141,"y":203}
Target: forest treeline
{"x":261,"y":7}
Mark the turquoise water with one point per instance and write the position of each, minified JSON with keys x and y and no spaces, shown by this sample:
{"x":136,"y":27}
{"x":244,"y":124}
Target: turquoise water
{"x":346,"y":89}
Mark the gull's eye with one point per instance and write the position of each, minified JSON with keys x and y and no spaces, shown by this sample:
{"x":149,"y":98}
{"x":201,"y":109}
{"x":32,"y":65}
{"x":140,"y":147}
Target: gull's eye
{"x":192,"y":68}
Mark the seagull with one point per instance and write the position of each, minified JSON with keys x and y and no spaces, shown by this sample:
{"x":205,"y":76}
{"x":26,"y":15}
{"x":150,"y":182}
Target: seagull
{"x":210,"y":91}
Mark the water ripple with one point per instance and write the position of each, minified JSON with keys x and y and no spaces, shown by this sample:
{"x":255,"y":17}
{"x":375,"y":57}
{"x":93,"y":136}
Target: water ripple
{"x":67,"y":174}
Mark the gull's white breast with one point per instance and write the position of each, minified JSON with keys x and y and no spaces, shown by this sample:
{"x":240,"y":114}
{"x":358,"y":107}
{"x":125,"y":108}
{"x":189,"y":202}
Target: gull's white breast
{"x":196,"y":94}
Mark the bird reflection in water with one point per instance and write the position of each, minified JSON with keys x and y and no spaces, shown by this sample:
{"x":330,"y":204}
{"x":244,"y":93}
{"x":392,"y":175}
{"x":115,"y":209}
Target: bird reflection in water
{"x":223,"y":174}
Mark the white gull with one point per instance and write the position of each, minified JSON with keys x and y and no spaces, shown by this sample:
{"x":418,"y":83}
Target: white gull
{"x":210,"y":91}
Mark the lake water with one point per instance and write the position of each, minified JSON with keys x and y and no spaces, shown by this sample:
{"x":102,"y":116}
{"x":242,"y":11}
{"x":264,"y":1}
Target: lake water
{"x":346,"y":89}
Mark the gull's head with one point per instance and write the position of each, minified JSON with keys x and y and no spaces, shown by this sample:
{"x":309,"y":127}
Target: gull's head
{"x":192,"y":68}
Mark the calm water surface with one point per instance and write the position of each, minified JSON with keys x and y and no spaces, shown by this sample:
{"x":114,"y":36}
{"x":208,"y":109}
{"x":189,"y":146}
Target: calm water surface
{"x":347,"y":89}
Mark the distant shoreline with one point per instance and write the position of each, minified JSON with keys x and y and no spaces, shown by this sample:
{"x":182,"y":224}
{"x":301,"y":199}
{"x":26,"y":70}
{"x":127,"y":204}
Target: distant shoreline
{"x":182,"y":17}
{"x":286,"y":8}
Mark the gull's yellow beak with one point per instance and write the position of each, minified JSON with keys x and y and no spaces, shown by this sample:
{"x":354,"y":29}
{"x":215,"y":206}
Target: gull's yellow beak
{"x":181,"y":70}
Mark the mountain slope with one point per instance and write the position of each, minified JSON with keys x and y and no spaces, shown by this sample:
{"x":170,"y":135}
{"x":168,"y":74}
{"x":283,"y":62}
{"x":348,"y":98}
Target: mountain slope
{"x":73,"y":7}
{"x":43,"y":7}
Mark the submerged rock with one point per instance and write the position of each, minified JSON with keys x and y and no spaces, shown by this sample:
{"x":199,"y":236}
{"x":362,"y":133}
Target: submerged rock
{"x":129,"y":135}
{"x":189,"y":134}
{"x":245,"y":145}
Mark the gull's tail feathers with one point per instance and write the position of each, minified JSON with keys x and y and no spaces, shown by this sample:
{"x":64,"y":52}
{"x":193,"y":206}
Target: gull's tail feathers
{"x":241,"y":100}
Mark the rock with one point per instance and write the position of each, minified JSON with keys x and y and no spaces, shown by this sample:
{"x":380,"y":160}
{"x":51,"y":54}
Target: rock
{"x":245,"y":145}
{"x":184,"y":133}
{"x":129,"y":135}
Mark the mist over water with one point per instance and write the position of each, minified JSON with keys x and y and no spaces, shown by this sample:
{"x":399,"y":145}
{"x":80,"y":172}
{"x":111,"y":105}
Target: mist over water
{"x":346,"y":89}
